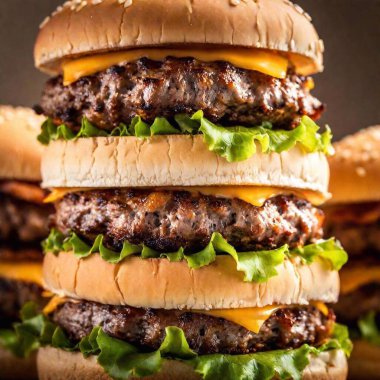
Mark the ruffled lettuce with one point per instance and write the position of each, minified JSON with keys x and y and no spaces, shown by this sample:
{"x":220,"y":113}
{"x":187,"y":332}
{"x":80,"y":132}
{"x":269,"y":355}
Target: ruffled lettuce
{"x":122,"y":360}
{"x":234,"y":143}
{"x":257,"y":266}
{"x":368,"y":328}
{"x":29,"y":334}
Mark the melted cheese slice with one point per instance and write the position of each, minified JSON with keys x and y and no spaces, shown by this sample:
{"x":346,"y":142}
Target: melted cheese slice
{"x":31,"y":272}
{"x":354,"y":278}
{"x":263,"y":61}
{"x":253,"y":318}
{"x":53,"y":304}
{"x":255,"y":195}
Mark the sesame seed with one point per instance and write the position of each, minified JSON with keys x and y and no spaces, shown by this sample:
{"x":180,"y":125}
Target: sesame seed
{"x":43,"y":23}
{"x":360,"y":171}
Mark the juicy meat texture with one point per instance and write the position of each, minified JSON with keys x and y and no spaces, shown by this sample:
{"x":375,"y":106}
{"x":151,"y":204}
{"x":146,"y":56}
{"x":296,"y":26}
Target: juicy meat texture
{"x":357,"y":239}
{"x":146,"y":88}
{"x":358,"y":303}
{"x":357,"y":226}
{"x":21,"y":220}
{"x":15,"y":252}
{"x":13,"y":295}
{"x":167,"y":220}
{"x":145,"y":328}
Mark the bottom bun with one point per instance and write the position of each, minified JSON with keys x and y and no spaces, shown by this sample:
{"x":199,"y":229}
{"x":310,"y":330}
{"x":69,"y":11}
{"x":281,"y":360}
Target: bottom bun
{"x":13,"y":368}
{"x":55,"y":364}
{"x":364,"y":361}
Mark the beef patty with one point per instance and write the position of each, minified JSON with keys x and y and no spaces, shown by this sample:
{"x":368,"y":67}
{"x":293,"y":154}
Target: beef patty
{"x":146,"y":88}
{"x":13,"y":295}
{"x":356,"y":226}
{"x":358,"y":303}
{"x":21,"y":220}
{"x":286,"y":328}
{"x":167,"y":220}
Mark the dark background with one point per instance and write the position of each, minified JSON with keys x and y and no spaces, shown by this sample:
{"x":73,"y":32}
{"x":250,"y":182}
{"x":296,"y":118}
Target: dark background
{"x":350,"y":85}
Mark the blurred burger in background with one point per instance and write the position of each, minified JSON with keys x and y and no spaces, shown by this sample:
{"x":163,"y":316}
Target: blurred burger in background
{"x":353,"y":216}
{"x":23,"y":224}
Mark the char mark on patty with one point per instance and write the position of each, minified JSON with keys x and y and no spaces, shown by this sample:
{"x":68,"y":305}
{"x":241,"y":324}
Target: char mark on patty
{"x":167,"y":220}
{"x":145,"y":88}
{"x":286,"y":328}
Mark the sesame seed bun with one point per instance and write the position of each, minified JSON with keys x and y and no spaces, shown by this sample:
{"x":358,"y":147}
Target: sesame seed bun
{"x":355,"y":168}
{"x":20,"y":150}
{"x":89,"y":27}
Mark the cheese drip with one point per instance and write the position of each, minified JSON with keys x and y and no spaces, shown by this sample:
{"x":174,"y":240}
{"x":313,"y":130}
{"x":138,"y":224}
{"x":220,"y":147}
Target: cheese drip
{"x":354,"y":278}
{"x":30,"y":272}
{"x":251,"y":318}
{"x":254,"y":317}
{"x":260,"y":60}
{"x":255,"y":195}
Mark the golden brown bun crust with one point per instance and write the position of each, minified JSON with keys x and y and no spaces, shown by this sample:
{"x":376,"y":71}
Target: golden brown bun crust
{"x":355,"y":169}
{"x":364,"y":360}
{"x":172,"y":285}
{"x":82,"y":28}
{"x":54,"y":364}
{"x":174,"y":161}
{"x":20,"y":150}
{"x":13,"y":368}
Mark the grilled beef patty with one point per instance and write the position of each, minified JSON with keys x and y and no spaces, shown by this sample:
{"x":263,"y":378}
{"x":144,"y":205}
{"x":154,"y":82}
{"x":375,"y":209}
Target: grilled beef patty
{"x":13,"y":295}
{"x":286,"y":328}
{"x":147,"y":88}
{"x":21,"y":220}
{"x":356,"y":226}
{"x":358,"y":303}
{"x":167,"y":220}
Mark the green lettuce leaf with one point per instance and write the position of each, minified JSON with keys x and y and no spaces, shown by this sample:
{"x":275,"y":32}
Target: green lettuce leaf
{"x":234,"y":143}
{"x":122,"y":360}
{"x":28,"y":335}
{"x":340,"y":339}
{"x":329,"y":250}
{"x":368,"y":328}
{"x":282,"y":364}
{"x":257,"y":266}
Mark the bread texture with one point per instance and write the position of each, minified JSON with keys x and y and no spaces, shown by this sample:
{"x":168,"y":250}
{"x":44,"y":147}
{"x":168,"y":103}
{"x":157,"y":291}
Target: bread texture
{"x":161,"y":284}
{"x":175,"y":160}
{"x":13,"y":368}
{"x":55,"y":364}
{"x":80,"y":28}
{"x":355,"y":168}
{"x":20,"y":150}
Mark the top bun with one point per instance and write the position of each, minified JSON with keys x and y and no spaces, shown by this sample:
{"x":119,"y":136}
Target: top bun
{"x":20,"y":150}
{"x":355,"y":168}
{"x":89,"y":27}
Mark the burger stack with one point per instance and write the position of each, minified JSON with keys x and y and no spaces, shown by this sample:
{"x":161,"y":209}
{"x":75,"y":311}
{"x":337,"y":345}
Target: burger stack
{"x":23,"y":224}
{"x":186,"y":170}
{"x":353,"y":215}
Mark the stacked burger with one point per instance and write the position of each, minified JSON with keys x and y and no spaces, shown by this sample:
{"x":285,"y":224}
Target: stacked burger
{"x":186,"y":169}
{"x":353,"y":215}
{"x":23,"y":224}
